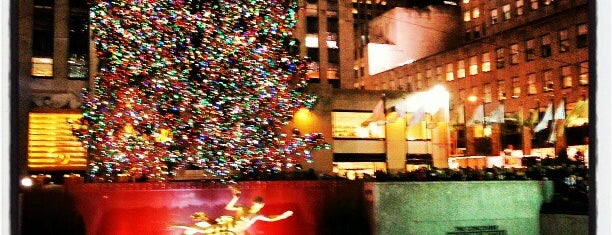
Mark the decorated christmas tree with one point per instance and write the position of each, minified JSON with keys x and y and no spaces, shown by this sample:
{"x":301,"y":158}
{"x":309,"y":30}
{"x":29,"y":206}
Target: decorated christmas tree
{"x":194,"y":84}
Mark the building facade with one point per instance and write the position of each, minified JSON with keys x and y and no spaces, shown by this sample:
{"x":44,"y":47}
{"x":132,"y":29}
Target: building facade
{"x":527,"y":58}
{"x":57,"y":61}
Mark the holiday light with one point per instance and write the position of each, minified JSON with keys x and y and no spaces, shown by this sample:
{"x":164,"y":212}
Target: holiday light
{"x":186,"y":83}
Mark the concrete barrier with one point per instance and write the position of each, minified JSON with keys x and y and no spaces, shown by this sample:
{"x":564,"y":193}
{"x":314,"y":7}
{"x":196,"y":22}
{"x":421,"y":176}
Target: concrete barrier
{"x":466,"y":207}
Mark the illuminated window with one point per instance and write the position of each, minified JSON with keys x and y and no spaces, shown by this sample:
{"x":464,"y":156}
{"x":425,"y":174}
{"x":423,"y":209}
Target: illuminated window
{"x":546,"y":48}
{"x":534,"y":4}
{"x":531,"y":84}
{"x":519,"y":7}
{"x":461,"y":69}
{"x":563,"y":41}
{"x":530,"y":50}
{"x":566,"y":76}
{"x":487,"y":93}
{"x":410,"y":84}
{"x":428,"y":77}
{"x":514,"y":54}
{"x":548,"y":2}
{"x":466,"y":1}
{"x":466,"y":16}
{"x":500,"y":60}
{"x":494,"y":17}
{"x":486,"y":62}
{"x":439,"y":74}
{"x":42,"y":38}
{"x":516,"y":87}
{"x":356,"y":125}
{"x":78,"y":33}
{"x":501,"y":90}
{"x":475,"y":13}
{"x":584,"y":73}
{"x":384,"y":86}
{"x":582,"y":38}
{"x":548,"y":81}
{"x":419,"y":83}
{"x":42,"y":67}
{"x":507,"y":13}
{"x":473,"y":65}
{"x":311,"y":41}
{"x":450,"y":74}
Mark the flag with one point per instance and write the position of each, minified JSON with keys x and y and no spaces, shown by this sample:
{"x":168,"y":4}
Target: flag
{"x":497,"y":116}
{"x":560,"y":111}
{"x":559,"y":115}
{"x":477,"y":116}
{"x":543,"y":124}
{"x":440,"y":116}
{"x":417,"y":116}
{"x":579,"y":115}
{"x":378,"y":115}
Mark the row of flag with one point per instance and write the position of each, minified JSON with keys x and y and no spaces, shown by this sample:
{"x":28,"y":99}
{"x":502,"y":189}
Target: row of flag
{"x":380,"y":117}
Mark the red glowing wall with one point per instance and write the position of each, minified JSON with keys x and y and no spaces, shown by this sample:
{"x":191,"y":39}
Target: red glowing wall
{"x":319,"y":207}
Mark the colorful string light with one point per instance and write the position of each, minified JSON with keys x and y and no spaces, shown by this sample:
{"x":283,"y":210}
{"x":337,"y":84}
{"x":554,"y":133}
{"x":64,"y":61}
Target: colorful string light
{"x":194,"y":83}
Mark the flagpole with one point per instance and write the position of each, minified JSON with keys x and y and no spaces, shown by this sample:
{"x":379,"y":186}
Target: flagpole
{"x":384,"y":101}
{"x":552,"y":124}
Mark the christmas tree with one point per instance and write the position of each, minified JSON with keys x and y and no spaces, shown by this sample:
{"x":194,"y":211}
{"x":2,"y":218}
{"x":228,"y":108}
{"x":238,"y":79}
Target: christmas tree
{"x":205,"y":84}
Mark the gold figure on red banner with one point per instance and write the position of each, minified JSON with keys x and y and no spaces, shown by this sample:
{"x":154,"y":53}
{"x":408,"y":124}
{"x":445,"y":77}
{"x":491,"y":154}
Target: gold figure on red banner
{"x":231,"y":225}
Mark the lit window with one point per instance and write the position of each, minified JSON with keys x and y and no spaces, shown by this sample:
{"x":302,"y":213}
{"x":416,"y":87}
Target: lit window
{"x":516,"y":87}
{"x":475,"y":13}
{"x":486,"y":62}
{"x":428,"y":76}
{"x":531,"y":84}
{"x":473,"y":65}
{"x":450,"y":75}
{"x":534,"y":4}
{"x":466,"y":1}
{"x":487,"y":93}
{"x":466,"y":16}
{"x":501,"y":90}
{"x":419,"y":84}
{"x":494,"y":17}
{"x":546,"y":48}
{"x":514,"y":54}
{"x":42,"y":67}
{"x":519,"y":7}
{"x":507,"y":13}
{"x":77,"y":66}
{"x":548,"y":2}
{"x":354,"y":125}
{"x":584,"y":73}
{"x":563,"y":41}
{"x":582,"y":39}
{"x":439,"y":73}
{"x":566,"y":76}
{"x":549,"y":84}
{"x":500,"y":59}
{"x":461,"y":69}
{"x":311,"y":41}
{"x":530,"y":50}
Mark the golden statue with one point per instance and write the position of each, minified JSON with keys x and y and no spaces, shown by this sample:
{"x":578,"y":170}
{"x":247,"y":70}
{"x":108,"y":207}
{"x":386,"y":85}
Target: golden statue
{"x":230,"y":225}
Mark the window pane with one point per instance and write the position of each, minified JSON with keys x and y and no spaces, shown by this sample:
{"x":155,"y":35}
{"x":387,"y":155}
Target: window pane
{"x":473,"y":65}
{"x":584,"y":73}
{"x":354,"y":125}
{"x":450,"y":75}
{"x":566,"y":76}
{"x":486,"y":62}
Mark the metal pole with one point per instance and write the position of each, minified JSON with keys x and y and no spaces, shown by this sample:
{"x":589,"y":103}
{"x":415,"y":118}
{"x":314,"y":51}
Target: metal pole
{"x":465,"y":131}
